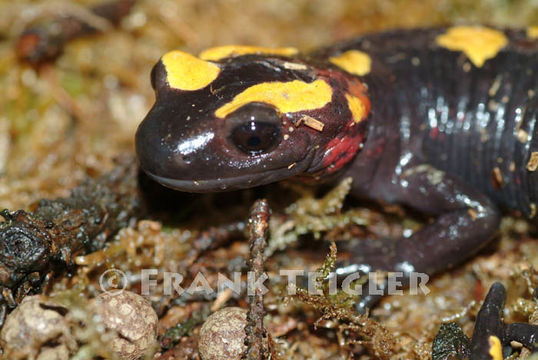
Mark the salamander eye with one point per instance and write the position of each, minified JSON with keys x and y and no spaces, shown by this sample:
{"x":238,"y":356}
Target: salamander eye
{"x":256,"y":128}
{"x":256,"y":137}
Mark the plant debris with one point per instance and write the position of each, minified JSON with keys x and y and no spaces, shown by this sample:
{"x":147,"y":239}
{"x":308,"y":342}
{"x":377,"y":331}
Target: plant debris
{"x":37,"y":245}
{"x":451,"y":343}
{"x":43,"y":43}
{"x":353,"y":328}
{"x":256,"y":335}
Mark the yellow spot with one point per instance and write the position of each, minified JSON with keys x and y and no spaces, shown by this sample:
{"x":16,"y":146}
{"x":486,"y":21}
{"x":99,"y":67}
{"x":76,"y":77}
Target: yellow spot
{"x":354,"y":62}
{"x":495,"y":349}
{"x":532,"y":32}
{"x":357,"y":108}
{"x":478,"y":43}
{"x":221,"y":52}
{"x":187,"y":72}
{"x":291,"y":96}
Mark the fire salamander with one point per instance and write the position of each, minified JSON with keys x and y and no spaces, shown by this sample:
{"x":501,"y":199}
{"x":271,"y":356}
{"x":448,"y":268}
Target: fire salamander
{"x":441,"y":120}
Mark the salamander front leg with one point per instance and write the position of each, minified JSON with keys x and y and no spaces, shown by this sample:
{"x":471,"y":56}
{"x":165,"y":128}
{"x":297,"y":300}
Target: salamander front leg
{"x":465,"y":220}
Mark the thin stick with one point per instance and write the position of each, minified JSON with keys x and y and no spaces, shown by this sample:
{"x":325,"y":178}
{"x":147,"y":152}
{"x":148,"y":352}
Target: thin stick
{"x":256,"y":334}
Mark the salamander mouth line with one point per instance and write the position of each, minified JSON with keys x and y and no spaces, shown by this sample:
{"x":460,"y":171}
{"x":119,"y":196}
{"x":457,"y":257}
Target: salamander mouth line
{"x":262,"y":177}
{"x":224,"y":183}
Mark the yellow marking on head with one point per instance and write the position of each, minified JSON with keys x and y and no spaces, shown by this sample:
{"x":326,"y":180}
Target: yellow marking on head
{"x":353,"y":61}
{"x":532,"y":32}
{"x":357,"y":108}
{"x":287,"y":97}
{"x":187,"y":72}
{"x":221,"y":52}
{"x":477,"y":42}
{"x":495,"y":348}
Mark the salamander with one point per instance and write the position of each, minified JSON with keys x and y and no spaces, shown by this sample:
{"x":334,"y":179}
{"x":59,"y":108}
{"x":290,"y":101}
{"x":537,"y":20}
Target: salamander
{"x":439,"y":120}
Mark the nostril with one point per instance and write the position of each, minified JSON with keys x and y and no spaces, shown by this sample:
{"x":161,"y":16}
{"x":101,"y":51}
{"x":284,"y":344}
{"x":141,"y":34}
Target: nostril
{"x":182,"y":161}
{"x":187,"y":159}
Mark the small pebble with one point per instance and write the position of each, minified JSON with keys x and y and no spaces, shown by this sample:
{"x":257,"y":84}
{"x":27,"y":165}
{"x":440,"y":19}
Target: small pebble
{"x":132,"y":317}
{"x":32,"y":327}
{"x":222,"y":336}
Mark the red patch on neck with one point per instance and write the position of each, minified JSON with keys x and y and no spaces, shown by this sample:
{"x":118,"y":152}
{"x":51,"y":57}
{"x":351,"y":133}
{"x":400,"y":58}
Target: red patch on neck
{"x":343,"y":148}
{"x":340,"y":151}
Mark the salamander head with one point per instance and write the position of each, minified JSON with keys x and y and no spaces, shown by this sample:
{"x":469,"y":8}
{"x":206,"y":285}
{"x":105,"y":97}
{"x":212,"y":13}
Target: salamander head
{"x":242,"y":121}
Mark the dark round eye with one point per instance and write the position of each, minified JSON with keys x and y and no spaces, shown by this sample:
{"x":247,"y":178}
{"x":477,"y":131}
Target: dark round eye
{"x":255,"y":128}
{"x":256,"y":137}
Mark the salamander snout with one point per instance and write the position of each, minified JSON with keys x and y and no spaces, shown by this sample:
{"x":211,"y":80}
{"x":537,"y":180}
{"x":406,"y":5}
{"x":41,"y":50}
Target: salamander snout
{"x":245,"y":148}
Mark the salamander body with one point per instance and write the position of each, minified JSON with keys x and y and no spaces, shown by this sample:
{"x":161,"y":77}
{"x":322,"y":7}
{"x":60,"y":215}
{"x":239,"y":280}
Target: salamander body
{"x":441,"y":120}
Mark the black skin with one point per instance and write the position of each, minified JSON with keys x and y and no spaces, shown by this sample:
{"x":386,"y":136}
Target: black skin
{"x":489,"y":323}
{"x":449,"y":175}
{"x":439,"y":129}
